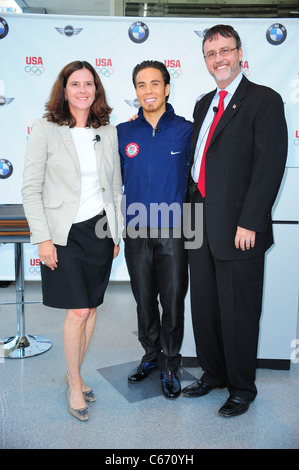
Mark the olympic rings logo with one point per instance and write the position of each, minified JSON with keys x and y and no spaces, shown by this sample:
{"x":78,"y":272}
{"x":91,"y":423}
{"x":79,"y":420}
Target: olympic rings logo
{"x":35,"y":271}
{"x":106,"y":72}
{"x":34,"y":70}
{"x":175,"y":73}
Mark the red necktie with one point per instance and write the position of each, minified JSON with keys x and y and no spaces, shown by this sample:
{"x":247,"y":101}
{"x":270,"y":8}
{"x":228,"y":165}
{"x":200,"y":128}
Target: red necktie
{"x":201,"y":179}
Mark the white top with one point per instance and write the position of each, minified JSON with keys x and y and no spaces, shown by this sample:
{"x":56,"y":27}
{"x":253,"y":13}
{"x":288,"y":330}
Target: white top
{"x":91,"y":200}
{"x":203,"y":134}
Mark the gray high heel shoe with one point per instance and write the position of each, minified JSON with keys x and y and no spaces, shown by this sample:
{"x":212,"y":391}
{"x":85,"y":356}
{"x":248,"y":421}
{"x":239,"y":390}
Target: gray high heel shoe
{"x":79,"y":413}
{"x":88,"y":395}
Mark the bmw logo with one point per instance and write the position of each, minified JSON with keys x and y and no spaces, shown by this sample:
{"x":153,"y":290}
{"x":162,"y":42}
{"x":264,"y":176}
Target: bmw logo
{"x":6,"y":168}
{"x":138,"y":32}
{"x":3,"y":28}
{"x":276,"y":34}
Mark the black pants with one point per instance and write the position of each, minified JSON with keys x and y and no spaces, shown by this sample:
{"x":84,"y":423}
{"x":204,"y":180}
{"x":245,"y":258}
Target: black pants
{"x":158,"y":266}
{"x":226,"y":299}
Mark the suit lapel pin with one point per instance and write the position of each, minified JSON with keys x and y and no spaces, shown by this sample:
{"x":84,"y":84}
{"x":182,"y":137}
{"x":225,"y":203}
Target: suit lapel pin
{"x":234,"y":106}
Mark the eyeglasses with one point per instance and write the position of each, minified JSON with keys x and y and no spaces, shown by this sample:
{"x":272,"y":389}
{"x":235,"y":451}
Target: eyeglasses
{"x":223,"y":52}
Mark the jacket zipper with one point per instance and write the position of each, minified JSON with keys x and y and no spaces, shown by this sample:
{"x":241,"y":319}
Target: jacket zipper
{"x":150,"y":169}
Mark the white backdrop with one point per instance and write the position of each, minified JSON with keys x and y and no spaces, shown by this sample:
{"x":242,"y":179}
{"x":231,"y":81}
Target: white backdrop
{"x":34,"y":48}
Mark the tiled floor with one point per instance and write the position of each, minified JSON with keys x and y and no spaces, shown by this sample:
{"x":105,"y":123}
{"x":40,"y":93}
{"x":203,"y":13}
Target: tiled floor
{"x":33,"y":406}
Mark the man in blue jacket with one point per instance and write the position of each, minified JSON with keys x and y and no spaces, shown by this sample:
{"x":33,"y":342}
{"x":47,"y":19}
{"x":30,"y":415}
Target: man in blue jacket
{"x":154,"y":152}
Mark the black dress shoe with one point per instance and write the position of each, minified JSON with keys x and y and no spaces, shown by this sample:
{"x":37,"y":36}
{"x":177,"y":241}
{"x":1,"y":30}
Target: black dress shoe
{"x":170,"y":384}
{"x":234,"y":406}
{"x":199,"y":389}
{"x":142,"y":371}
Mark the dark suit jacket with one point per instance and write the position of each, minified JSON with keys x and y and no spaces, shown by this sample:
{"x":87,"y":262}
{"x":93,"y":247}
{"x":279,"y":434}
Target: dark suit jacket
{"x":244,"y":166}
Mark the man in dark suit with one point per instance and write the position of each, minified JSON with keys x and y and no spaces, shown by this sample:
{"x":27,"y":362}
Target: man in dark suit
{"x":244,"y":165}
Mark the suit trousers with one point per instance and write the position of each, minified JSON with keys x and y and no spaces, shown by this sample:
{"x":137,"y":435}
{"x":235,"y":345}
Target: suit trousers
{"x":158,"y":267}
{"x":226,"y":299}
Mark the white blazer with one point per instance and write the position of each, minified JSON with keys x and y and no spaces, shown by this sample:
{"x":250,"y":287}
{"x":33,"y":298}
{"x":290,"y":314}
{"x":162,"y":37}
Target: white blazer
{"x":52,"y":181}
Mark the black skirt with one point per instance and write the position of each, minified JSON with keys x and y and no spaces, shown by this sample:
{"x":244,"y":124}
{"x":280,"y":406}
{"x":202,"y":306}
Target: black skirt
{"x":83,"y":271}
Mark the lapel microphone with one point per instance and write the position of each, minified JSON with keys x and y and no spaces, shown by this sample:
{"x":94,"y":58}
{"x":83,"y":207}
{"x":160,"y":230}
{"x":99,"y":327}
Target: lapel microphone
{"x":96,"y":140}
{"x":215,"y":109}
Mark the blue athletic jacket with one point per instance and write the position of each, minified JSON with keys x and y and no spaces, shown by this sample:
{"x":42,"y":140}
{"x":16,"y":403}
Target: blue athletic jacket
{"x":154,"y":166}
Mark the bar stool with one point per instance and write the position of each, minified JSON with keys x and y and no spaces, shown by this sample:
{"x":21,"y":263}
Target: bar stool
{"x":14,"y":229}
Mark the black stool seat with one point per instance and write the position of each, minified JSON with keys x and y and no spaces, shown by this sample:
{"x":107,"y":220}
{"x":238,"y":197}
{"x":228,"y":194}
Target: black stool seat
{"x":14,"y":229}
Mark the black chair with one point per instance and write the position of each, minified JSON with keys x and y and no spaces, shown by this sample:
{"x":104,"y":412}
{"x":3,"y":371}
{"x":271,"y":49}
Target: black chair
{"x":14,"y":229}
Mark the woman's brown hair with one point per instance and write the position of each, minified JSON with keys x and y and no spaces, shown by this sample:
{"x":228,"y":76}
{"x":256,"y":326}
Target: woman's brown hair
{"x":57,"y":108}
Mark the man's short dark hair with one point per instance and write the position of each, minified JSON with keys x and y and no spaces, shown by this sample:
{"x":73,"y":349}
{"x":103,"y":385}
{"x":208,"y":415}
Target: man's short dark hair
{"x":154,"y":64}
{"x":225,"y":31}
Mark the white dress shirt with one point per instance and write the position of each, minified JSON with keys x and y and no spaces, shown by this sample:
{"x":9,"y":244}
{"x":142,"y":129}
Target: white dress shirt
{"x":204,"y":130}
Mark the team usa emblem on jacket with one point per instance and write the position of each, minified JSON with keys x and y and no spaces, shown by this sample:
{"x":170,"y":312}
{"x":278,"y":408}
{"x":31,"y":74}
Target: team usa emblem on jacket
{"x":132,"y":150}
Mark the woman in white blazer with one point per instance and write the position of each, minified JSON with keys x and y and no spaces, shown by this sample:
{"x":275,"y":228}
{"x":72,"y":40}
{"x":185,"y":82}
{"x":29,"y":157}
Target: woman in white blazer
{"x":71,"y":191}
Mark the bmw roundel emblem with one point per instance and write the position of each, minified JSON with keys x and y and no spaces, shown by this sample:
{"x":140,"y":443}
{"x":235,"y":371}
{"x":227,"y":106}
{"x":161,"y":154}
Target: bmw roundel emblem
{"x":3,"y":28}
{"x":6,"y":168}
{"x":276,"y":34}
{"x":138,"y":32}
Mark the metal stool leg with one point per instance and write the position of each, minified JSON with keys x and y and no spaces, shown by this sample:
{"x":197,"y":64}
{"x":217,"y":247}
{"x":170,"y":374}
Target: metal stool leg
{"x":22,"y":345}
